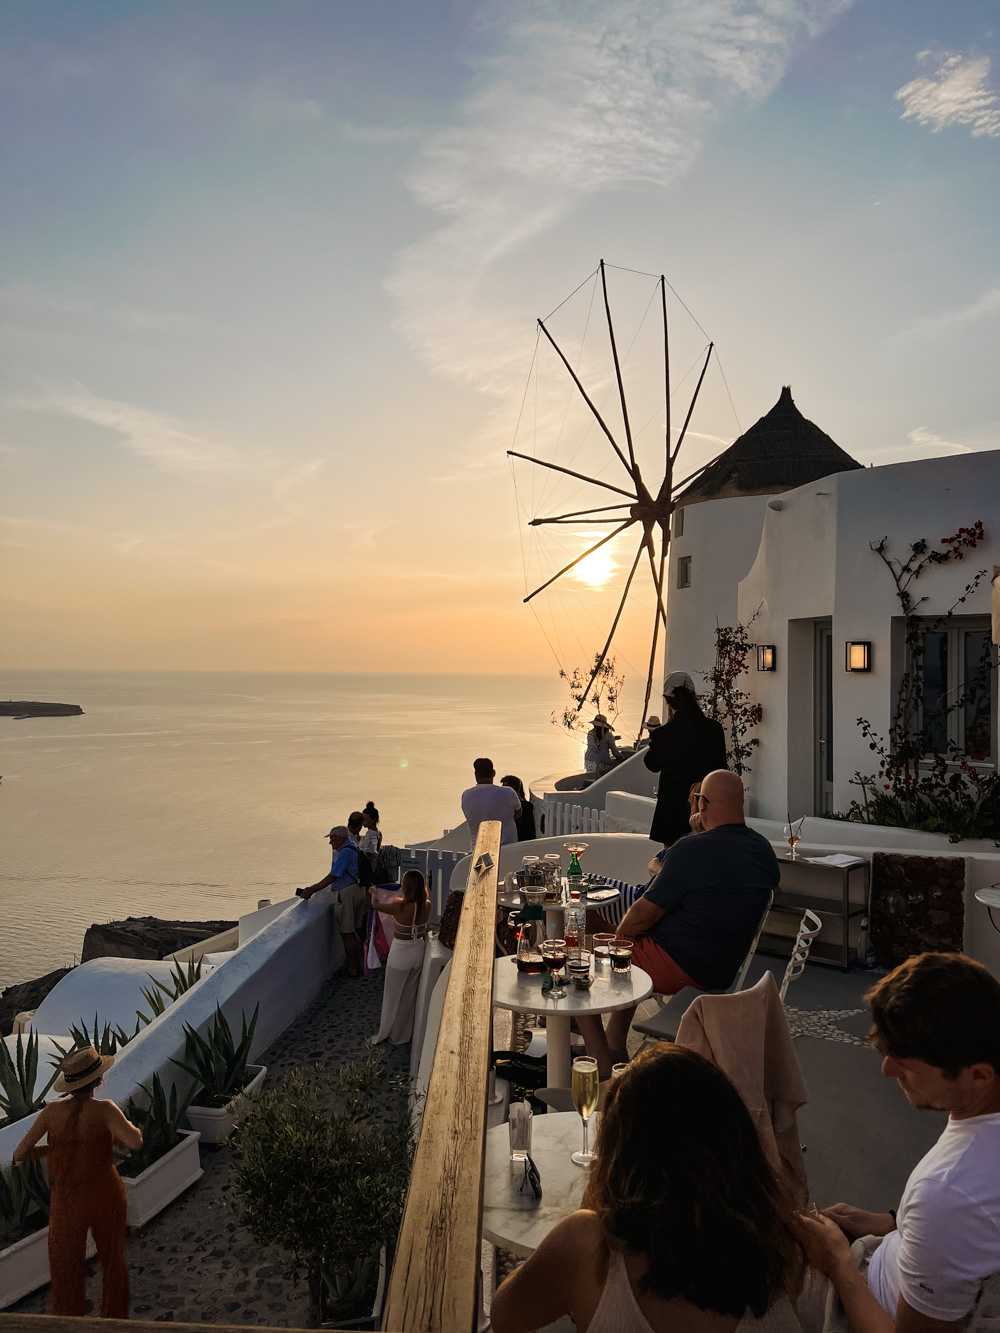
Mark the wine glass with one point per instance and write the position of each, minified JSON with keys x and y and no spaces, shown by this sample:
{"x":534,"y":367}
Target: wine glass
{"x":792,"y":832}
{"x":586,"y":1089}
{"x":554,"y":954}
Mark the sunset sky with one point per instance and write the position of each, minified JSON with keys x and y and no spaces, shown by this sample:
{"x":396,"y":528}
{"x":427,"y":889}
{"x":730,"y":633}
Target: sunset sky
{"x":269,"y":275}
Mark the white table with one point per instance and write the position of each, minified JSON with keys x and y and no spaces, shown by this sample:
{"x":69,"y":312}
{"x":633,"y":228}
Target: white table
{"x":610,"y":991}
{"x":555,"y":912}
{"x":518,"y":1221}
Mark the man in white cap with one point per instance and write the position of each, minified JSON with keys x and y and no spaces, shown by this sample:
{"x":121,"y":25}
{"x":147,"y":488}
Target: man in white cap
{"x":351,"y":900}
{"x":652,"y":722}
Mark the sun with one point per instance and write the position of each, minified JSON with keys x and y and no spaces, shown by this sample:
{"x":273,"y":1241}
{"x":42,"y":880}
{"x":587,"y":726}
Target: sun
{"x":596,"y":570}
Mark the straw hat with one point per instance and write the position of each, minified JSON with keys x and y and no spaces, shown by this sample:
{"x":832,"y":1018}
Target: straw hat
{"x":652,"y":722}
{"x":81,"y":1068}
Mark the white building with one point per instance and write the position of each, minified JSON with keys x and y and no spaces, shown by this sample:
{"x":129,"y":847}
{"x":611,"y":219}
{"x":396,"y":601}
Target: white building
{"x":779,"y":530}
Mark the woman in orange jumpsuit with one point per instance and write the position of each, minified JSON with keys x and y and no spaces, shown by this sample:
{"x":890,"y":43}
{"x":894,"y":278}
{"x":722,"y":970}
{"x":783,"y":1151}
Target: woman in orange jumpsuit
{"x":86,"y":1190}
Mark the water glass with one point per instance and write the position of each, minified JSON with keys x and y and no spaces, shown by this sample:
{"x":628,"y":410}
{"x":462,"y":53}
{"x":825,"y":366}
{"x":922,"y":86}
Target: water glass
{"x":602,"y":947}
{"x":618,"y":1070}
{"x":519,"y":1125}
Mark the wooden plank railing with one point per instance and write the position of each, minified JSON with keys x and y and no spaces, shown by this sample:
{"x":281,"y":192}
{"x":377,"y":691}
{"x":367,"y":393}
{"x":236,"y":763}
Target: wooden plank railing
{"x":435,"y":1279}
{"x":434,"y":1286}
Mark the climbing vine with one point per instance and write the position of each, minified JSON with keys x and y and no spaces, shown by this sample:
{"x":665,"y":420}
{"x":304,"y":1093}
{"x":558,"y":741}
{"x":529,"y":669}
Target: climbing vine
{"x":727,"y":701}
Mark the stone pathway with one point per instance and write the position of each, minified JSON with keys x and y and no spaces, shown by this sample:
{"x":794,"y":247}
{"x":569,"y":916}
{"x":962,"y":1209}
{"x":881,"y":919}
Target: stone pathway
{"x":193,"y":1262}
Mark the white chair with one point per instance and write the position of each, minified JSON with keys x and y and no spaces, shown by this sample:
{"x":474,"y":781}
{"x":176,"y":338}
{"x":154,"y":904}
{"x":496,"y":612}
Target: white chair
{"x":809,"y":928}
{"x":985,"y":1317}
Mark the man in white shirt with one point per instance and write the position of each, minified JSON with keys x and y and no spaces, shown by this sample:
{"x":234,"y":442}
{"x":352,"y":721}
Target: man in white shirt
{"x":936,"y":1022}
{"x":488,"y":801}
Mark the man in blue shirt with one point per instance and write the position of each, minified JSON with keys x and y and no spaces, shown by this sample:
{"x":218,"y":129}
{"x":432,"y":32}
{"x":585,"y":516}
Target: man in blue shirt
{"x":696,"y":921}
{"x":350,"y":901}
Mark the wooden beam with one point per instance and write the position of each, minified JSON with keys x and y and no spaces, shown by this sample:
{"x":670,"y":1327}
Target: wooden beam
{"x":435,"y":1278}
{"x":51,"y":1323}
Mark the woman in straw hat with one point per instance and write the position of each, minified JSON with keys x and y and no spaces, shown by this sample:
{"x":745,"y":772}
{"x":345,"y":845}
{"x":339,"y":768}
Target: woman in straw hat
{"x":86,"y":1191}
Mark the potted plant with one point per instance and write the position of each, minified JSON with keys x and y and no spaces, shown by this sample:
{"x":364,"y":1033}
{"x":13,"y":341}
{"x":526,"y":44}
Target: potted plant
{"x":168,"y":1161}
{"x":221,"y":1073}
{"x":24,"y":1233}
{"x":18,"y":1075}
{"x":323,"y":1175}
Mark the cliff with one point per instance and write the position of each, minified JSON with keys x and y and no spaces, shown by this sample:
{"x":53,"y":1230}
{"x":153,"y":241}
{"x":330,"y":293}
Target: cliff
{"x":19,"y":709}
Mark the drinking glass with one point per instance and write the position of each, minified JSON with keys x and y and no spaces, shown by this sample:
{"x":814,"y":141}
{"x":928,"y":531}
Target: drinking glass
{"x":602,"y":947}
{"x":618,"y":1070}
{"x":621,"y":956}
{"x":554,"y":954}
{"x":792,"y":831}
{"x":586,"y":1089}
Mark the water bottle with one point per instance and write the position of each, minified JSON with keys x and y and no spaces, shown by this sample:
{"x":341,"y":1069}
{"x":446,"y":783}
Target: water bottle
{"x":866,"y":951}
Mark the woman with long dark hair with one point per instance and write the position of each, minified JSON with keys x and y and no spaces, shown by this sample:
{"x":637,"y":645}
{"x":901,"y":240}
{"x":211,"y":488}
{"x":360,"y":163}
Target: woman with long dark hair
{"x":370,"y":837}
{"x":685,"y":1227}
{"x":688,"y":746}
{"x":406,"y":956}
{"x":525,"y":821}
{"x":86,"y":1190}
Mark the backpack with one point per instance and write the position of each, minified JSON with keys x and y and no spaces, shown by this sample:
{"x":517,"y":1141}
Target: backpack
{"x":365,"y":877}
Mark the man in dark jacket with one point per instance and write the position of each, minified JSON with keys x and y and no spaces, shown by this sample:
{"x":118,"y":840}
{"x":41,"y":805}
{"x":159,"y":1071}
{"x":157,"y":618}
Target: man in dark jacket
{"x":682,"y":751}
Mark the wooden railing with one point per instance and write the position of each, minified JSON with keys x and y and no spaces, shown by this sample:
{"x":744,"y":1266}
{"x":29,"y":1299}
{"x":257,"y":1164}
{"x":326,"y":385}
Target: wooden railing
{"x":434,"y":1286}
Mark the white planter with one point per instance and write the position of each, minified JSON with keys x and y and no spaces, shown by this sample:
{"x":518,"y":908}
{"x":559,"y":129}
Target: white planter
{"x":215,"y":1123}
{"x":24,"y":1266}
{"x":161,"y":1183}
{"x":375,"y":1318}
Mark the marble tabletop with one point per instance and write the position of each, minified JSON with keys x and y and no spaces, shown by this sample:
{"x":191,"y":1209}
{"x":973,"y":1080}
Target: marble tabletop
{"x":990,"y":896}
{"x":610,"y":990}
{"x":517,"y":1221}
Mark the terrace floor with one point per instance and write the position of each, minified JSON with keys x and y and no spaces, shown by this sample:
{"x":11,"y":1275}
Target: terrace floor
{"x":194,"y":1263}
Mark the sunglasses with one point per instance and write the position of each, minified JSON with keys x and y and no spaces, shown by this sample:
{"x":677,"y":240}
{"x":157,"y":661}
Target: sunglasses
{"x":531,"y":1178}
{"x":704,"y":799}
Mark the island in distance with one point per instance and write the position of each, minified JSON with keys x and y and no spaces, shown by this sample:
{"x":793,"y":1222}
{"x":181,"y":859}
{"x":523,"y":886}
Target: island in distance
{"x":19,"y":709}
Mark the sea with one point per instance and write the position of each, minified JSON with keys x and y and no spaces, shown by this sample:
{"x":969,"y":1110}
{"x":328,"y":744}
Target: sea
{"x":190,"y":795}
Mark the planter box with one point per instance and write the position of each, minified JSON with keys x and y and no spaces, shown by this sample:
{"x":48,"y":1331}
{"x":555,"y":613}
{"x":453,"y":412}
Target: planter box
{"x":374,"y":1320}
{"x":161,"y":1183}
{"x":24,"y":1266}
{"x":215,"y":1123}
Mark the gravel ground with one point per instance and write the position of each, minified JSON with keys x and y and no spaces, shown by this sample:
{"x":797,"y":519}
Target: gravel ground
{"x":193,"y":1262}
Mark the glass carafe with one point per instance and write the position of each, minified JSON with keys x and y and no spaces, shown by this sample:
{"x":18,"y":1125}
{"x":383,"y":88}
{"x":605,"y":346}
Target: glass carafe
{"x":531,"y":919}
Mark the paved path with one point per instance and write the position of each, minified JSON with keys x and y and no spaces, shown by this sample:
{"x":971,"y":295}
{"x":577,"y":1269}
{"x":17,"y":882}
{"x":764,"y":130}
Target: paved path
{"x":193,"y":1262}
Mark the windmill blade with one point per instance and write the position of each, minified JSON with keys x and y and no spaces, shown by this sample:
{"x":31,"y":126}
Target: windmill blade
{"x":586,"y":398}
{"x":666,"y":377}
{"x":658,"y":579}
{"x":565,"y":570}
{"x":599,"y":662}
{"x":618,"y":369}
{"x":694,"y":399}
{"x":554,"y":467}
{"x":656,"y":631}
{"x":578,"y":514}
{"x":696,"y":473}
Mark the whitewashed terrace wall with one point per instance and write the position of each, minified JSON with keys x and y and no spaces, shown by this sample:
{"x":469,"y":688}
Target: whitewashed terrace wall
{"x":282,"y":966}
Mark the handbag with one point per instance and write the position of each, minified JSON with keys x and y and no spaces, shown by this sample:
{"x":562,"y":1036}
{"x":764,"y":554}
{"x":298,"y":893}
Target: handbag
{"x":448,"y":930}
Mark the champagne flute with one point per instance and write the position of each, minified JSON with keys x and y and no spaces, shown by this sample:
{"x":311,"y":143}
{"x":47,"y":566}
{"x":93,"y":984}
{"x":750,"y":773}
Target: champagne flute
{"x":792,"y":832}
{"x":586,"y":1090}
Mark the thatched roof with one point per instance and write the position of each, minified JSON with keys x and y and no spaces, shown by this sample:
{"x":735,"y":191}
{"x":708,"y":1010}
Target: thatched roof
{"x":782,"y":451}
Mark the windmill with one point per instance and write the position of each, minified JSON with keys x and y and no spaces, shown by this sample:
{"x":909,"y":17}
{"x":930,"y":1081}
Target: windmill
{"x":646,"y":507}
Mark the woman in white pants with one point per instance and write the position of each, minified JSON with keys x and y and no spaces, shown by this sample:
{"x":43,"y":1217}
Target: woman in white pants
{"x":406,"y":955}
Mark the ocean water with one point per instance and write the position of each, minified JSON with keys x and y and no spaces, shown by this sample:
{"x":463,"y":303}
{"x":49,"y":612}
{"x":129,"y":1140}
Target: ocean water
{"x":193,"y":794}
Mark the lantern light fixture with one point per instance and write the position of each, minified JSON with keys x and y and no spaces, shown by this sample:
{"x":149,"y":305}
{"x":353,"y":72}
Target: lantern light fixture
{"x":858,"y":656}
{"x":766,"y":657}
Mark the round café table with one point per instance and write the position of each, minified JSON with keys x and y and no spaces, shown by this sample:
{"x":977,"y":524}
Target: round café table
{"x":517,"y":1220}
{"x":555,"y":912}
{"x":610,"y":991}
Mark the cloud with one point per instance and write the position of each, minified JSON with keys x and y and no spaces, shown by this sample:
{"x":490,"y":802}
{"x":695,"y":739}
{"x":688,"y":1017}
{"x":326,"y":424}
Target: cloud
{"x":576,"y":100}
{"x":170,"y":445}
{"x":987,"y":304}
{"x":923,"y":443}
{"x":957,"y":94}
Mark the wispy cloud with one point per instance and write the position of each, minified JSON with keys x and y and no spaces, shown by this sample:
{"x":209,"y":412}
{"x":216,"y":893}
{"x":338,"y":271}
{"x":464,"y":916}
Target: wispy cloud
{"x":956,"y":94}
{"x":922,"y":443}
{"x":925,"y":325}
{"x":577,"y":99}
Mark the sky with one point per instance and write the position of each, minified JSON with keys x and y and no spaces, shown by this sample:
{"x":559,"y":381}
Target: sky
{"x":270,"y":272}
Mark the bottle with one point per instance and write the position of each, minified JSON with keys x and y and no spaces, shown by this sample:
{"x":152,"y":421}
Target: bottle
{"x":531,"y":919}
{"x":574,"y":875}
{"x":866,"y":950}
{"x":574,"y":928}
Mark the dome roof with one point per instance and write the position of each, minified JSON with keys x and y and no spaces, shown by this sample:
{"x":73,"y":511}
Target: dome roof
{"x":782,"y":451}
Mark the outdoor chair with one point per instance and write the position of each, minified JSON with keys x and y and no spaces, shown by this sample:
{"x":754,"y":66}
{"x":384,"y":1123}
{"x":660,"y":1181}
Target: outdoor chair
{"x":985,"y":1317}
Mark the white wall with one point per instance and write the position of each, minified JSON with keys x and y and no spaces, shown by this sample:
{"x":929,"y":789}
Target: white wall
{"x":721,"y":537}
{"x":815,"y":561}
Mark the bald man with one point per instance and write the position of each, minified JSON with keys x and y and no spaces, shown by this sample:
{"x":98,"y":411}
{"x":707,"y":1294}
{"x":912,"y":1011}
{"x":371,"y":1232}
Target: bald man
{"x":696,"y":921}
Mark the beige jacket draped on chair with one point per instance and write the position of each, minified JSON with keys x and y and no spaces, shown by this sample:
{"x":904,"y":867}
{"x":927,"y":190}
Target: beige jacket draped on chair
{"x":746,"y":1035}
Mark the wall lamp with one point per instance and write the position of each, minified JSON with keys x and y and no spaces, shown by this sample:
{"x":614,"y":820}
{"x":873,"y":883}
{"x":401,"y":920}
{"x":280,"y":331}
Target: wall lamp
{"x":765,"y":657}
{"x":858,"y":656}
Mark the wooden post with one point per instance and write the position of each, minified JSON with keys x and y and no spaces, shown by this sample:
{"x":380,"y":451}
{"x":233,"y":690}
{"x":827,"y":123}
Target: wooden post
{"x":434,"y":1286}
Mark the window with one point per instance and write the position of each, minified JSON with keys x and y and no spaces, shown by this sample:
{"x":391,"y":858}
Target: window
{"x":678,"y":522}
{"x":959,"y":689}
{"x":684,"y":572}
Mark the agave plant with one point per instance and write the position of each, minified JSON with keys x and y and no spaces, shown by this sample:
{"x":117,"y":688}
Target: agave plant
{"x":17,"y":1080}
{"x":158,"y":1117}
{"x":216,"y":1064}
{"x":106,"y":1041}
{"x":162,"y":994}
{"x":24,"y":1201}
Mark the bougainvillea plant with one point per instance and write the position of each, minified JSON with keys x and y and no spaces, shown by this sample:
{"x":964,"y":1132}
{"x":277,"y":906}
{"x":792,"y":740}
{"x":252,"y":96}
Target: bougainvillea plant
{"x":726,"y":701}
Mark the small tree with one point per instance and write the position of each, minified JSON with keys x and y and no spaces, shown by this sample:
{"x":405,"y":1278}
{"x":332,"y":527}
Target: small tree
{"x":727,"y":702}
{"x":603,"y":693}
{"x":323,"y":1176}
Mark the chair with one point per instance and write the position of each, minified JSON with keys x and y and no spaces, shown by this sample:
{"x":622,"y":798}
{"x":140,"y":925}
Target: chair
{"x":985,"y":1317}
{"x":809,"y":928}
{"x":663,"y":1025}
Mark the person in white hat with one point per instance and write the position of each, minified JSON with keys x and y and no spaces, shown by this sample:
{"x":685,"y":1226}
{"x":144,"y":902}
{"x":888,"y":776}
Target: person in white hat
{"x":652,"y":722}
{"x":602,"y":753}
{"x":85,"y":1188}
